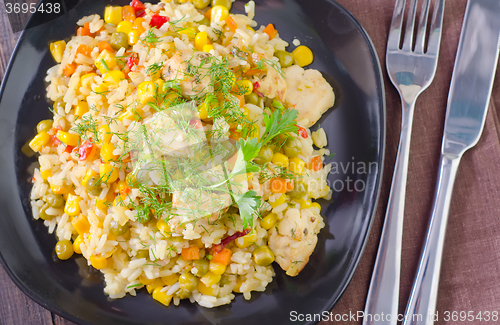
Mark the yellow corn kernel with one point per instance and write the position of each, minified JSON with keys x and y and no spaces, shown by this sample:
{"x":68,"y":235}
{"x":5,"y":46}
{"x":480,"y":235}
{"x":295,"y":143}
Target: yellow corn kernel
{"x":146,"y":91}
{"x":157,"y":283}
{"x":201,"y":40}
{"x":250,"y":28}
{"x":59,"y":189}
{"x":81,"y":108}
{"x":189,"y":31}
{"x":316,"y":205}
{"x":279,"y":201}
{"x":210,"y":278}
{"x":163,"y":228}
{"x":245,"y":85}
{"x":207,"y":290}
{"x":113,"y":77}
{"x":113,"y":15}
{"x":72,"y":207}
{"x":101,"y":88}
{"x":105,"y":62}
{"x":101,"y":204}
{"x":269,"y":221}
{"x":171,"y":279}
{"x":76,"y":244}
{"x":302,"y":56}
{"x":239,"y":282}
{"x":304,"y":204}
{"x":98,"y":262}
{"x":104,"y":134}
{"x":131,"y":115}
{"x":119,"y":201}
{"x":90,"y":172}
{"x":57,"y":50}
{"x":280,"y":160}
{"x":124,"y":27}
{"x":247,"y":240}
{"x":217,"y":268}
{"x":46,"y":173}
{"x":39,"y":141}
{"x":297,"y":165}
{"x":133,"y":37}
{"x":87,"y":79}
{"x":254,"y":132}
{"x":69,"y":139}
{"x":219,"y":13}
{"x":81,"y":224}
{"x":108,"y":173}
{"x":207,"y":48}
{"x":161,"y":296}
{"x":107,"y":152}
{"x":145,"y":280}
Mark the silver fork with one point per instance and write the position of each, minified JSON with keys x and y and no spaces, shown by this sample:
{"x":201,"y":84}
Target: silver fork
{"x":411,"y":67}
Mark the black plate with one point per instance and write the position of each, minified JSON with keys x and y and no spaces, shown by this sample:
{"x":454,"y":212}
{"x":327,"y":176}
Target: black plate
{"x":355,"y":129}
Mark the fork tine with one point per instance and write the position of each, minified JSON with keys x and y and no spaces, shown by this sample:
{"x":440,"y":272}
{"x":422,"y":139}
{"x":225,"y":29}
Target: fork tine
{"x":436,"y":28}
{"x":410,"y":26}
{"x":422,"y":28}
{"x":396,"y":25}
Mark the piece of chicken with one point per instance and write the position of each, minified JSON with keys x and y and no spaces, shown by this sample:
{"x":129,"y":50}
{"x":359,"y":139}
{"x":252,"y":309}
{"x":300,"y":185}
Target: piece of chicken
{"x":294,"y":239}
{"x":176,"y":67}
{"x":272,"y":85}
{"x":309,"y":93}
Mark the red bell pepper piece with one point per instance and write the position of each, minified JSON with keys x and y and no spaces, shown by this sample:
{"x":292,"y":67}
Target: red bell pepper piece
{"x":132,"y":60}
{"x":302,"y":132}
{"x":137,"y":5}
{"x":85,"y":149}
{"x":69,"y":149}
{"x":158,"y":21}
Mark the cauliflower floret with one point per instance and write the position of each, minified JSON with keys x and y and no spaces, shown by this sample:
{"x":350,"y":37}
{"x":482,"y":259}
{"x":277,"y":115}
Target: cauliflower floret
{"x":309,"y":93}
{"x":293,"y":241}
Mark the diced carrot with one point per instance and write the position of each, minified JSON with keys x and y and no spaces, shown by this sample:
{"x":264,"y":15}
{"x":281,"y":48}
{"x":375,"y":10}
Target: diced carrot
{"x":128,"y":13}
{"x":251,"y":72}
{"x":278,"y":185}
{"x":222,"y":257}
{"x":190,"y":253}
{"x":103,"y":45}
{"x":231,"y":24}
{"x":208,"y":14}
{"x":69,"y":69}
{"x":289,"y":185}
{"x":241,"y":98}
{"x":271,"y":31}
{"x":84,"y":49}
{"x":84,"y":31}
{"x":316,"y":163}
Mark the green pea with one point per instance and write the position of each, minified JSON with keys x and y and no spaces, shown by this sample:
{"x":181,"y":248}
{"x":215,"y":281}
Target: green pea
{"x":277,"y":104}
{"x":265,"y":155}
{"x":299,"y":190}
{"x":94,"y":186}
{"x":143,"y":253}
{"x":119,"y":40}
{"x":55,"y":200}
{"x":42,"y":212}
{"x":59,"y":105}
{"x":188,"y":281}
{"x":201,"y":266}
{"x":254,"y":99}
{"x":183,"y":294}
{"x":224,"y":280}
{"x":173,"y":34}
{"x":44,"y":126}
{"x":292,"y":147}
{"x":205,"y":21}
{"x":285,"y":58}
{"x":263,"y":256}
{"x":201,"y":4}
{"x":225,"y":3}
{"x":64,"y":249}
{"x":116,"y":229}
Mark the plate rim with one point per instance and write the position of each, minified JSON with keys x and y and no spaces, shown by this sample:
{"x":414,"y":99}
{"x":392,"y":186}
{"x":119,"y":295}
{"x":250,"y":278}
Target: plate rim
{"x":378,"y":184}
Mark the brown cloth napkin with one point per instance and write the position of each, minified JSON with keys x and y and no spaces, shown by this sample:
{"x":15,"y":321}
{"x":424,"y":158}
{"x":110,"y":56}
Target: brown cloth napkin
{"x":470,"y":275}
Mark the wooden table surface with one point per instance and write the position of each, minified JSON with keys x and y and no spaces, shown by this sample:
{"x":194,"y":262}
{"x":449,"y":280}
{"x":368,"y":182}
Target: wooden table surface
{"x":470,"y":278}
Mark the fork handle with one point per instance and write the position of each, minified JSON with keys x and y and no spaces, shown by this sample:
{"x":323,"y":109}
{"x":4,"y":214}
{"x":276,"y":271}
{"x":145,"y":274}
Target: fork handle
{"x":422,"y":302}
{"x":383,"y":294}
